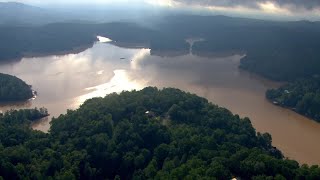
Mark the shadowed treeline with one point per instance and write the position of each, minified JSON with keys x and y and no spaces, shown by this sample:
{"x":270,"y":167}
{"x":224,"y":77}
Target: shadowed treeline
{"x":277,"y":50}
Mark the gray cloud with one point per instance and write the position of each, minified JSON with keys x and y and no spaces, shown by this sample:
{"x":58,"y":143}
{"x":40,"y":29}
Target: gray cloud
{"x":290,"y":4}
{"x":306,"y":4}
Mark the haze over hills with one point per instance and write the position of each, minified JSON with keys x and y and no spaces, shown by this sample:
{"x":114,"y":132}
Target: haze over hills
{"x":16,"y":13}
{"x":13,"y":13}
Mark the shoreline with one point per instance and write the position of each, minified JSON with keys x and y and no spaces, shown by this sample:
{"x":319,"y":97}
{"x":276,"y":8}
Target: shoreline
{"x":24,"y":101}
{"x":216,"y":54}
{"x":74,"y":50}
{"x":4,"y":103}
{"x":272,"y":101}
{"x":164,"y":53}
{"x":130,"y":45}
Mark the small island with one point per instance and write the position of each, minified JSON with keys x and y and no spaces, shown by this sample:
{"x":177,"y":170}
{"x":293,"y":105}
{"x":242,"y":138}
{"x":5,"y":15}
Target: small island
{"x":14,"y":89}
{"x":302,"y":96}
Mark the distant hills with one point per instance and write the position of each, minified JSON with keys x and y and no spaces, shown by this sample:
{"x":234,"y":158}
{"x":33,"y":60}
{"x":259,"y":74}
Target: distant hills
{"x":13,"y":13}
{"x":16,"y":13}
{"x":276,"y":50}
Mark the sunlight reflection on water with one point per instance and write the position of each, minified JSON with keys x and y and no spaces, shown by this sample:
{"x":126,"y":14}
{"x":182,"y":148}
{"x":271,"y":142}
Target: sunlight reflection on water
{"x":119,"y":82}
{"x":103,"y":39}
{"x":65,"y":82}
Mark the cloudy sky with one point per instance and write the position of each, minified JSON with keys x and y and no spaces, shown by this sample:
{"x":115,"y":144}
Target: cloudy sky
{"x":295,"y":9}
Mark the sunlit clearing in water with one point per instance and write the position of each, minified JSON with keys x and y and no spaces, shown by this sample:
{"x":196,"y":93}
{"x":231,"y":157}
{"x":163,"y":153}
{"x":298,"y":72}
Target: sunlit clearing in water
{"x":138,"y":57}
{"x":119,"y":82}
{"x":103,"y":39}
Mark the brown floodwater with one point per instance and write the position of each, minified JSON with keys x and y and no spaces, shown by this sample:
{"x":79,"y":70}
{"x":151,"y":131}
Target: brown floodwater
{"x":65,"y":82}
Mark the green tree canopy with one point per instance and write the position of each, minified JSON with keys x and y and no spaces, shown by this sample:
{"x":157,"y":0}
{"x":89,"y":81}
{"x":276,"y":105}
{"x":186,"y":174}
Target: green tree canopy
{"x":14,"y":89}
{"x":182,"y":137}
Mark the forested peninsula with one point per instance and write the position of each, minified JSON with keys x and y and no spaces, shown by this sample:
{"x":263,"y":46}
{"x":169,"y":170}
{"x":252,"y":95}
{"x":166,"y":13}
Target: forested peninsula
{"x":147,"y":134}
{"x":302,"y":96}
{"x":14,"y":89}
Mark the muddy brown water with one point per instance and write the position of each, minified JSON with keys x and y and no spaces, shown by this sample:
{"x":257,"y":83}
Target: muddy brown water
{"x":65,"y":82}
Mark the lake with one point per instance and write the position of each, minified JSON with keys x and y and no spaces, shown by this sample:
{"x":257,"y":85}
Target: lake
{"x":65,"y":82}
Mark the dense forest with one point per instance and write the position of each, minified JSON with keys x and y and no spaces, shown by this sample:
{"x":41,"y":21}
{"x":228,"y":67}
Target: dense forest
{"x":17,"y":42}
{"x":57,"y":38}
{"x":276,"y":50}
{"x":14,"y":89}
{"x":302,"y":95}
{"x":147,"y":134}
